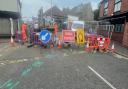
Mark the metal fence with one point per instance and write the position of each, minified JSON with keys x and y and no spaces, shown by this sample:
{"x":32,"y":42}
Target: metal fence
{"x":95,"y":27}
{"x":105,"y":30}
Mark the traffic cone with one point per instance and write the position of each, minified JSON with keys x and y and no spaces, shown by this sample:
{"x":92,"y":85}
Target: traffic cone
{"x":87,"y":47}
{"x":12,"y":42}
{"x":59,"y":45}
{"x":113,"y":48}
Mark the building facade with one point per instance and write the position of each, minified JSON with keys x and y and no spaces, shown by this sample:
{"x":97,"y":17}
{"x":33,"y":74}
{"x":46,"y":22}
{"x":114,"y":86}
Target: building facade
{"x":49,"y":17}
{"x":9,"y":9}
{"x":116,"y":12}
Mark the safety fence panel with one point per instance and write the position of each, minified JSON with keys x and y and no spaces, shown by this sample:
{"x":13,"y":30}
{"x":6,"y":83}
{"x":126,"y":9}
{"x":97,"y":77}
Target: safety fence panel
{"x":34,"y":39}
{"x":105,"y":30}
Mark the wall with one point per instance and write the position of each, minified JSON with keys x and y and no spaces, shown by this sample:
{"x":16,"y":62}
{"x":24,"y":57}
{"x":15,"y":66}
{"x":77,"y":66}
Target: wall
{"x":125,"y":38}
{"x":124,"y":6}
{"x":117,"y":36}
{"x":110,"y":7}
{"x":9,"y":5}
{"x":5,"y":26}
{"x":101,"y":10}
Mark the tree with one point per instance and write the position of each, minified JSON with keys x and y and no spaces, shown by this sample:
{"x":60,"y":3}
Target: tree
{"x":96,"y":14}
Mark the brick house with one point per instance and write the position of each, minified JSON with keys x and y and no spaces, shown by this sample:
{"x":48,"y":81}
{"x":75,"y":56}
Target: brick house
{"x":116,"y":12}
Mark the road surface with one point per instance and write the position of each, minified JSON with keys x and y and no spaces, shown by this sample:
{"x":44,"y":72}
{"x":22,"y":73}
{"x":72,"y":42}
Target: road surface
{"x":38,"y":68}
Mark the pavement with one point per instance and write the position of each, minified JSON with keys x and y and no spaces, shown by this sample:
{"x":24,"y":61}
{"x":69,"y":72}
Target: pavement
{"x":121,"y":50}
{"x":38,"y":68}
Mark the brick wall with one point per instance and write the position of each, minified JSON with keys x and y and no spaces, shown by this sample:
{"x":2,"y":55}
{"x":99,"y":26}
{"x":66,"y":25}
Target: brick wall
{"x":125,"y":38}
{"x":110,"y":7}
{"x":101,"y":10}
{"x":124,"y":6}
{"x":117,"y":36}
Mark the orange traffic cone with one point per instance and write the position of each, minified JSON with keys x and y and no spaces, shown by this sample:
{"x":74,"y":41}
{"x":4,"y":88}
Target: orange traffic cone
{"x":59,"y":44}
{"x":12,"y":42}
{"x":113,"y":48}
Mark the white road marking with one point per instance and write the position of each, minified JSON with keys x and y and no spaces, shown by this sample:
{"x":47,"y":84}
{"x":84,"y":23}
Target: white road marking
{"x":25,"y":59}
{"x":2,"y":63}
{"x":81,"y":52}
{"x":65,"y":55}
{"x":0,"y":55}
{"x":36,"y":58}
{"x":103,"y":79}
{"x":119,"y":56}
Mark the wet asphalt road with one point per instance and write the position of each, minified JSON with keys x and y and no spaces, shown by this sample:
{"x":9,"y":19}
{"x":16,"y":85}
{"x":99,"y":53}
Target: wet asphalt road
{"x":37,"y":68}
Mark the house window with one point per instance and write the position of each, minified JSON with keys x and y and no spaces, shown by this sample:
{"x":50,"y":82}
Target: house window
{"x":117,"y":5}
{"x":105,"y":7}
{"x":119,"y":27}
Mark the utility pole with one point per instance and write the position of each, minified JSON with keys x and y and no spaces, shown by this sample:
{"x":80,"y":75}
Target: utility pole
{"x":51,"y":8}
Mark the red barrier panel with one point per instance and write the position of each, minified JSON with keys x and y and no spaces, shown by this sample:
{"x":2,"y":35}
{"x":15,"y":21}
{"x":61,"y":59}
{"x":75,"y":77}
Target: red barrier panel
{"x":93,"y":43}
{"x":103,"y":43}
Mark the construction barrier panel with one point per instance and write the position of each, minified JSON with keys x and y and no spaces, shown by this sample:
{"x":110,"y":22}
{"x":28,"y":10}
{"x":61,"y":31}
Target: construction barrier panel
{"x":68,"y":36}
{"x":34,"y":38}
{"x":92,"y":43}
{"x":18,"y":37}
{"x":103,"y":43}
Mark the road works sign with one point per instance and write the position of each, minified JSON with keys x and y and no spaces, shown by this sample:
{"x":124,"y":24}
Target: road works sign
{"x":68,"y":36}
{"x":80,"y":36}
{"x":45,"y":36}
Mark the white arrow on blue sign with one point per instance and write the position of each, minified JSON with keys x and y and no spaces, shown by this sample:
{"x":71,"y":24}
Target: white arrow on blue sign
{"x":45,"y":36}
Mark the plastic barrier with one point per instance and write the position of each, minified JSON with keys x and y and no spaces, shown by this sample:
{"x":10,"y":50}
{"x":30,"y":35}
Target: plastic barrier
{"x":103,"y":43}
{"x":92,"y":43}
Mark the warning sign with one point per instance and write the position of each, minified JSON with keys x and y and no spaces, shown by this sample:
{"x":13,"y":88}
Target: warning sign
{"x":68,"y":36}
{"x":80,"y":36}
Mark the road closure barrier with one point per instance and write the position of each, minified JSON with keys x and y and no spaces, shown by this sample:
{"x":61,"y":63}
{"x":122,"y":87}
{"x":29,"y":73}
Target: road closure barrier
{"x":69,"y":38}
{"x":92,"y":43}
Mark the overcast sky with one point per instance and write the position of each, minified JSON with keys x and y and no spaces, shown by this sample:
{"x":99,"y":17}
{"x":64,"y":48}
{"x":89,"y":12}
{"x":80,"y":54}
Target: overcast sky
{"x":30,"y":7}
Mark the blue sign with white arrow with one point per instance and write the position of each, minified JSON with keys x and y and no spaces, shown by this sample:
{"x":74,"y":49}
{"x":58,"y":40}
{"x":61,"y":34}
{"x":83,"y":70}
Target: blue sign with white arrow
{"x":45,"y":36}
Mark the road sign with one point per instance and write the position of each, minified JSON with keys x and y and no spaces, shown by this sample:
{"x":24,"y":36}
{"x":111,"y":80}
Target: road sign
{"x":80,"y":36}
{"x":68,"y":36}
{"x":45,"y":36}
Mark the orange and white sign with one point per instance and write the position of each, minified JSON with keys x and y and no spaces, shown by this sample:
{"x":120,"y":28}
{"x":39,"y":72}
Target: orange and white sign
{"x":68,"y":36}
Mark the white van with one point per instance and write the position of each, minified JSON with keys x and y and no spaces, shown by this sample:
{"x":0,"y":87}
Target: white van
{"x":77,"y":25}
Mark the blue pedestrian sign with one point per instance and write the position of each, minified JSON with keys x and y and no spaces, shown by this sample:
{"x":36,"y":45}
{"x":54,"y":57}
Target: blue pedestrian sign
{"x":45,"y":36}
